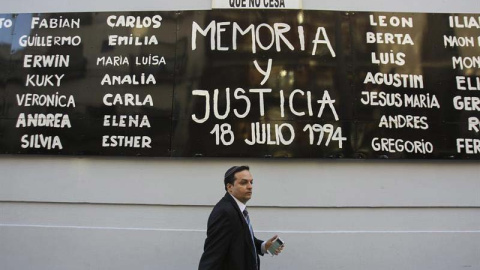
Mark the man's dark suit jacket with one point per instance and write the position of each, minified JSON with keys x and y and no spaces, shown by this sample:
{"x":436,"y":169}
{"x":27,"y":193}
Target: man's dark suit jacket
{"x":229,"y":245}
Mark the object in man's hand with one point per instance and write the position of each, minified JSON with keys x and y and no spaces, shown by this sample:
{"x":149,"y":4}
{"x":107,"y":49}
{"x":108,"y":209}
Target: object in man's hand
{"x":275,"y":245}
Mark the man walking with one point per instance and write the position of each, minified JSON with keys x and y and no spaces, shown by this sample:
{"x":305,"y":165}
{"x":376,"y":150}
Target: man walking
{"x":231,"y":243}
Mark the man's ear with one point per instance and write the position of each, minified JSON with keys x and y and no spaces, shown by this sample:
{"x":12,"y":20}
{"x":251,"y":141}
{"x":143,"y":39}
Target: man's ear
{"x":229,"y":186}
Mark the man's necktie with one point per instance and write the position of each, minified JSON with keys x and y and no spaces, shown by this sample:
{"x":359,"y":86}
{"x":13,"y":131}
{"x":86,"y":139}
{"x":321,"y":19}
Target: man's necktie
{"x":247,"y":218}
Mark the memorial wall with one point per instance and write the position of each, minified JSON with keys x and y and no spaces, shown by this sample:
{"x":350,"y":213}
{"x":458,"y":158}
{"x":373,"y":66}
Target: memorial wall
{"x":241,"y":83}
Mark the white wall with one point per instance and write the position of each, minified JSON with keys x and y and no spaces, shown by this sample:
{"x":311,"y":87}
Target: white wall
{"x":151,"y":213}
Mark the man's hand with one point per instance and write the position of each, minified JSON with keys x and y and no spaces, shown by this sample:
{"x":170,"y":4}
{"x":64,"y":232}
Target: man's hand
{"x":269,"y":243}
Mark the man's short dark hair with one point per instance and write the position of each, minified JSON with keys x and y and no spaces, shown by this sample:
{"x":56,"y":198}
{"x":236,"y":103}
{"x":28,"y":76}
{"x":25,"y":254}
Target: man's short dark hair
{"x":230,"y":174}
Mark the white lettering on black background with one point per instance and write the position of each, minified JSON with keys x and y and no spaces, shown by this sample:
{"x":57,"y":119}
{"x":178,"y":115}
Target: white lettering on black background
{"x":232,"y":83}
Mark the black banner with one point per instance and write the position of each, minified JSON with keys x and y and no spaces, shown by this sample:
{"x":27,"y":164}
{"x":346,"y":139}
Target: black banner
{"x":230,"y":83}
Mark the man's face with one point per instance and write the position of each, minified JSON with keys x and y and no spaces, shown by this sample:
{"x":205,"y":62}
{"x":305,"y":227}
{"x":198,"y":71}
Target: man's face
{"x":242,"y":186}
